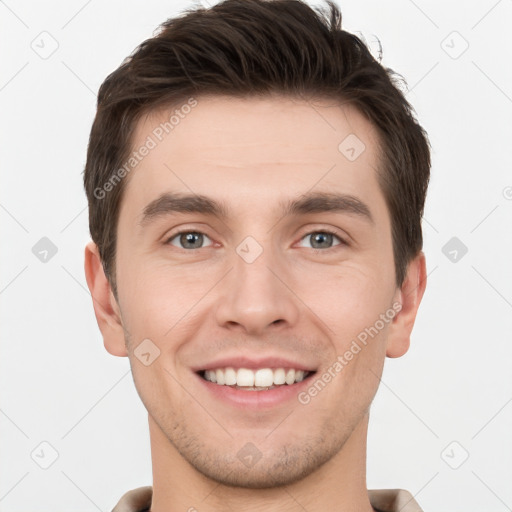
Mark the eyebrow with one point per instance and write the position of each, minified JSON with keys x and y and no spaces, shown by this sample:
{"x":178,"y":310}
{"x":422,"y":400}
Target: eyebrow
{"x":312,"y":202}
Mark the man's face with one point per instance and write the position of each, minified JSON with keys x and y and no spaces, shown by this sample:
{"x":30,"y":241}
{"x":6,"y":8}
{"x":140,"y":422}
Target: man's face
{"x":258,"y":288}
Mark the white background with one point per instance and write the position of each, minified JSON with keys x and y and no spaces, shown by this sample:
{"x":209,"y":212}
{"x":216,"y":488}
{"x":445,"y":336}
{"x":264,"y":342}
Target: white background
{"x":58,"y":383}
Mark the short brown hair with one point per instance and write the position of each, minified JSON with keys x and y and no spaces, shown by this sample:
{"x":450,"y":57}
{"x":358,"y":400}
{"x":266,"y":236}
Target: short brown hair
{"x":246,"y":48}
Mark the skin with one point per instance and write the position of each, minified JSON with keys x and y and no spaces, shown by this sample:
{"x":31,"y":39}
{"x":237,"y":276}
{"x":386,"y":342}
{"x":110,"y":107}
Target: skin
{"x":295,"y":300}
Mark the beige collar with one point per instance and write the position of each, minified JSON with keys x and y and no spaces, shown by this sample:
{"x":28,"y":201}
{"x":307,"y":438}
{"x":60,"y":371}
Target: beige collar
{"x":382,"y":500}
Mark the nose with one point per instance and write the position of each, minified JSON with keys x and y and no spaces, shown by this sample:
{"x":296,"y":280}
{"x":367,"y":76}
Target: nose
{"x":257,"y":296}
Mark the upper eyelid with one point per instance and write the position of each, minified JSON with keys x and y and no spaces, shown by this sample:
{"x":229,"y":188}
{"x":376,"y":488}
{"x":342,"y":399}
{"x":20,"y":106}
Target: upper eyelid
{"x":329,"y":232}
{"x":343,"y":240}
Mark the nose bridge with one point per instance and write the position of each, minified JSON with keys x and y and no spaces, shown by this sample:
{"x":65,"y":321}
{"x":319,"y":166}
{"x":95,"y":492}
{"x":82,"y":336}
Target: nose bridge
{"x":253,"y":297}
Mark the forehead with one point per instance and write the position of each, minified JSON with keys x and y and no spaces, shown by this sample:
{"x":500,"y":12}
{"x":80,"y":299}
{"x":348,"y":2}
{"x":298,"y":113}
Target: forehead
{"x":253,"y":148}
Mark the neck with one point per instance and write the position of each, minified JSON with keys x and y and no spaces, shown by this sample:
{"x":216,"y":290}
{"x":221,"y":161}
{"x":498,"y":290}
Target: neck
{"x":338,"y":485}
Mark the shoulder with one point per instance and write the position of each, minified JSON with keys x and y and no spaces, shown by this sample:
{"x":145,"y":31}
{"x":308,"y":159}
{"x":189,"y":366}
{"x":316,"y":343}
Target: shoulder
{"x":135,"y":500}
{"x":393,"y":500}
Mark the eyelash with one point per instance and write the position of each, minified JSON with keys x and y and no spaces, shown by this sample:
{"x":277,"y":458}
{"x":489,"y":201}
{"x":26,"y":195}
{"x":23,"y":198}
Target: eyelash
{"x":326,"y":231}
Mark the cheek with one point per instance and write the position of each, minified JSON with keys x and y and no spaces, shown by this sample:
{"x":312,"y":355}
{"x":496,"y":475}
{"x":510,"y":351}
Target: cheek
{"x":158,"y":294}
{"x":157,"y":388}
{"x":348,"y":298}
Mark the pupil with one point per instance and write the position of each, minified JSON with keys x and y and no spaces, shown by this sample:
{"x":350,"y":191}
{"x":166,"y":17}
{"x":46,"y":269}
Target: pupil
{"x":189,"y":238}
{"x":326,"y":238}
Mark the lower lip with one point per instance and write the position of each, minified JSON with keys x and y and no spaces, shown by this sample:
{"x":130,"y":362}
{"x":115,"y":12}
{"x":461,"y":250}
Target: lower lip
{"x":256,"y":399}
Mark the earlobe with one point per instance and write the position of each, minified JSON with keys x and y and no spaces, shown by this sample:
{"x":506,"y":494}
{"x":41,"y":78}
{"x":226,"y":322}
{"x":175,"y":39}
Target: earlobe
{"x":409,"y":295}
{"x":105,"y":306}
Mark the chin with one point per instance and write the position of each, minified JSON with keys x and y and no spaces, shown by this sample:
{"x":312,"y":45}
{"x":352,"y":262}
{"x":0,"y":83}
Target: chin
{"x":248,"y":468}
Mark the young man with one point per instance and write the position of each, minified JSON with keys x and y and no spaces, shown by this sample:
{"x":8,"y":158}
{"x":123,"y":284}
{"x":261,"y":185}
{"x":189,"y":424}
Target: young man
{"x":256,"y":184}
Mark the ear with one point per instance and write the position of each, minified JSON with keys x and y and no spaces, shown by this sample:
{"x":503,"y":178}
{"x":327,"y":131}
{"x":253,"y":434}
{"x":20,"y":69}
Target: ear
{"x":409,"y":295}
{"x":106,"y":309}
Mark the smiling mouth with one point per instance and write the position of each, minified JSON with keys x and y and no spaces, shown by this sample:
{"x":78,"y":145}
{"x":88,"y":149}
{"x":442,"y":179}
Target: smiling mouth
{"x":262,"y":379}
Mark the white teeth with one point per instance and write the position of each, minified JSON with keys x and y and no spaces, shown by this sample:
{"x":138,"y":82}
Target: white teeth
{"x":219,"y":374}
{"x":244,"y":377}
{"x":229,"y":377}
{"x":290,"y":376}
{"x":261,"y":378}
{"x":264,"y":377}
{"x":279,"y":376}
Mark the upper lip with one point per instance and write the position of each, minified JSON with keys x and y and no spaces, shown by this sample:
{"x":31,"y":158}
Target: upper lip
{"x":254,"y":363}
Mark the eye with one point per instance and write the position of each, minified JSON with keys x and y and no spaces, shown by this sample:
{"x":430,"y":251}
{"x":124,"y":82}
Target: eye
{"x":322,"y":239}
{"x":188,"y":239}
{"x":195,"y":239}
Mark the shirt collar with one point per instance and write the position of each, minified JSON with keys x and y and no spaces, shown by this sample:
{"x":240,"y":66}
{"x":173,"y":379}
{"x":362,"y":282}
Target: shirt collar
{"x":382,"y":500}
